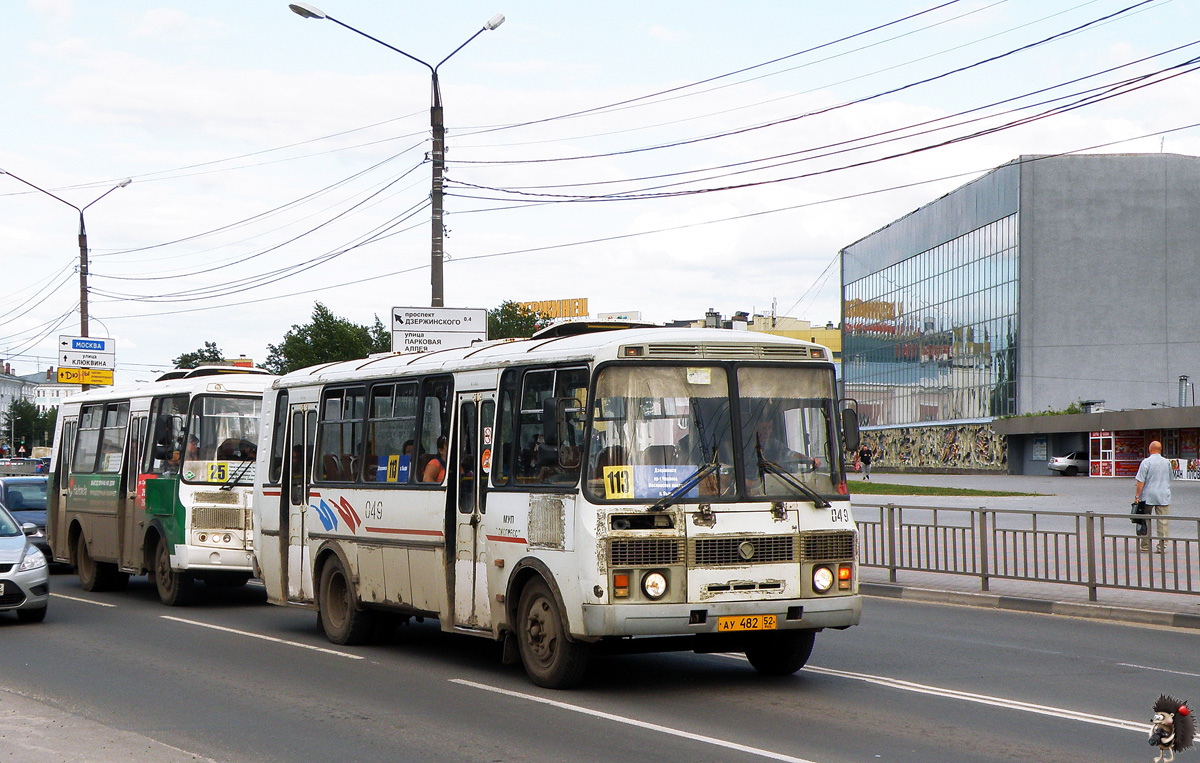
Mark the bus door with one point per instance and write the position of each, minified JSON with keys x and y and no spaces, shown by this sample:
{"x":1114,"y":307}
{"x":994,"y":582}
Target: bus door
{"x":132,"y":519}
{"x":57,"y":519}
{"x":473,"y":456}
{"x":297,"y":571}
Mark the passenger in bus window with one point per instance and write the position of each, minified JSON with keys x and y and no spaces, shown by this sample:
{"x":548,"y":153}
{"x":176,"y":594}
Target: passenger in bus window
{"x":435,"y":467}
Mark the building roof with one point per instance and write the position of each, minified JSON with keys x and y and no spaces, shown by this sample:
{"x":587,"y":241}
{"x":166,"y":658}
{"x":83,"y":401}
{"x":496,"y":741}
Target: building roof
{"x":1139,"y":418}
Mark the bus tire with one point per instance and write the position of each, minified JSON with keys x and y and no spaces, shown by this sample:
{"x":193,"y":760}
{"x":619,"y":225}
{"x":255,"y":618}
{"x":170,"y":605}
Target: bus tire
{"x":176,"y":589}
{"x":550,"y":658}
{"x":341,"y":619}
{"x":93,"y":575}
{"x":781,"y":653}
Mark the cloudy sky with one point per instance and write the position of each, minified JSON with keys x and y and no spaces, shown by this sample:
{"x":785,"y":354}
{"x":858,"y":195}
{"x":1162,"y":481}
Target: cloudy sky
{"x":665,"y":157}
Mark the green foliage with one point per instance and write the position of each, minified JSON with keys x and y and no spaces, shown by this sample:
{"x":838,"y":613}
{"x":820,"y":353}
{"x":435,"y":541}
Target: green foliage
{"x":325,"y":339}
{"x":514,"y":320}
{"x":209,"y":353}
{"x":872,"y":487}
{"x":1075,"y":407}
{"x":24,"y":424}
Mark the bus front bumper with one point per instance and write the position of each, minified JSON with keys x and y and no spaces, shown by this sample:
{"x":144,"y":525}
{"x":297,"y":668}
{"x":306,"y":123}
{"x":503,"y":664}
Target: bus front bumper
{"x":678,"y":619}
{"x":198,"y":558}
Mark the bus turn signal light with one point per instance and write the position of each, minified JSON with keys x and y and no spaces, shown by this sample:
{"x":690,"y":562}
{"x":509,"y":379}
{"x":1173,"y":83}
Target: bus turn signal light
{"x":845,"y":572}
{"x":621,"y":585}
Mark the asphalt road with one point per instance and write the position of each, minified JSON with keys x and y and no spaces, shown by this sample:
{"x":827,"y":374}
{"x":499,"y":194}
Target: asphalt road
{"x":117,"y":676}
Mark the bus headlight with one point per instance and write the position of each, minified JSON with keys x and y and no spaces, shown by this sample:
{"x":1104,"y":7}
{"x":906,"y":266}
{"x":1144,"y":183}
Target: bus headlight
{"x":654,"y":585}
{"x":822,"y":579}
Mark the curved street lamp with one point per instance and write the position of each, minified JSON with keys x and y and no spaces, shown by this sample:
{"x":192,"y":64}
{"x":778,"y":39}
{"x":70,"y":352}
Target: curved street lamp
{"x":438,"y":154}
{"x":83,"y":247}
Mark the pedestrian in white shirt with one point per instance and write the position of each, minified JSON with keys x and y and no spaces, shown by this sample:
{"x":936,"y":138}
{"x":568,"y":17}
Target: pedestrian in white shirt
{"x":1154,"y":487}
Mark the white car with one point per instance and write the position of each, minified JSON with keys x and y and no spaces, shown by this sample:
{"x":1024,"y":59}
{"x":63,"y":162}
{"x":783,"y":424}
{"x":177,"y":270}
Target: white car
{"x":24,"y":574}
{"x":1070,"y":464}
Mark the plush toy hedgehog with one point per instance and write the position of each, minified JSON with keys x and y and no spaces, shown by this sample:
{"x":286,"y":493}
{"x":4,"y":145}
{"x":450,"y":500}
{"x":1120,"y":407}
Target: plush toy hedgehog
{"x":1173,"y":727}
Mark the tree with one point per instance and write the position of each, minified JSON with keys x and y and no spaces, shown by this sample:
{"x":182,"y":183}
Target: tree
{"x":25,"y":425}
{"x":210,"y":353}
{"x":512,"y":319}
{"x":47,"y":420}
{"x":325,"y":339}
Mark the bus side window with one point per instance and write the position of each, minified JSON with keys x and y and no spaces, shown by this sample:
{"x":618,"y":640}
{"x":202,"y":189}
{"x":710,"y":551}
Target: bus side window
{"x":550,"y":434}
{"x":278,"y":444}
{"x":87,"y":442}
{"x":166,"y":444}
{"x":502,"y":468}
{"x":299,"y":467}
{"x":435,"y":420}
{"x":341,"y":434}
{"x":391,"y":433}
{"x":112,"y":442}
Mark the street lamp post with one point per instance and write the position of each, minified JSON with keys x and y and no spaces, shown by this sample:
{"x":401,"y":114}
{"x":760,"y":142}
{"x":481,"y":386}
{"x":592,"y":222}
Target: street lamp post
{"x":438,"y":128}
{"x":83,"y":247}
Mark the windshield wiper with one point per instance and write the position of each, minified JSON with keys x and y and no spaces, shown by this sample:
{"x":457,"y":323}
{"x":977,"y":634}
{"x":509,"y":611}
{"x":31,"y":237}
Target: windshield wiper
{"x":770,"y":467}
{"x":670,"y":498}
{"x":236,"y":476}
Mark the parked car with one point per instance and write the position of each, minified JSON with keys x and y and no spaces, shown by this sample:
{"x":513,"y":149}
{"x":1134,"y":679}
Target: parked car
{"x":25,"y":498}
{"x":24,"y":573}
{"x":1071,"y":464}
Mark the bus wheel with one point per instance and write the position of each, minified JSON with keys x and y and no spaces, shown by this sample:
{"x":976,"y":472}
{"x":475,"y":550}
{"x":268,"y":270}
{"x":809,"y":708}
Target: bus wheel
{"x":550,"y":658}
{"x":96,"y":576}
{"x":340,"y":617}
{"x":781,"y":653}
{"x":174,"y":588}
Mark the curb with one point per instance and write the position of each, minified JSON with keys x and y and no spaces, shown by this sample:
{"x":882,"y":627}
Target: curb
{"x":1039,"y":606}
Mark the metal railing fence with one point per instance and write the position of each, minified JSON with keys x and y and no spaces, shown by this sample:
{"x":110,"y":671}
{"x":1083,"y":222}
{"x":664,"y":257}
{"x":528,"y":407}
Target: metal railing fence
{"x":1076,"y":548}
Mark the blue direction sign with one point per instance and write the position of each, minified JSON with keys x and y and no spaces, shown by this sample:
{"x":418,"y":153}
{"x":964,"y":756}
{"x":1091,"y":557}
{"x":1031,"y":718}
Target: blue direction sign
{"x":101,"y":345}
{"x":87,"y":352}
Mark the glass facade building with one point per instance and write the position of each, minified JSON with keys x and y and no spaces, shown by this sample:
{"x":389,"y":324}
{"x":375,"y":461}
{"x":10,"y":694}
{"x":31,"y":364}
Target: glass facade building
{"x":932,"y":336}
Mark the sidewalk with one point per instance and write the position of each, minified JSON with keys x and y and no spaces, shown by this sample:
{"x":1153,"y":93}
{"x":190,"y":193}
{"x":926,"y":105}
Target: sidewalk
{"x":1055,"y":494}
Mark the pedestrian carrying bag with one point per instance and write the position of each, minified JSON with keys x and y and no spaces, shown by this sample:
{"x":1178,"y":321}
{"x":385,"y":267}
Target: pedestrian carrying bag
{"x":1139,"y":509}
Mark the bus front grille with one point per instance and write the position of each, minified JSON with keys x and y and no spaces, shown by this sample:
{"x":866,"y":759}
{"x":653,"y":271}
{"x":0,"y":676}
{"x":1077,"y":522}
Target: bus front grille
{"x":217,"y":496}
{"x":220,"y":518}
{"x":645,"y":552}
{"x":742,"y":550}
{"x":827,"y":545}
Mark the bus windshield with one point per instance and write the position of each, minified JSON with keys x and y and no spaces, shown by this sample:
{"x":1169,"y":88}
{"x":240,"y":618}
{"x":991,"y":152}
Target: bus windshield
{"x":788,"y":439}
{"x":666,"y":432}
{"x":655,"y":428}
{"x":222,"y":439}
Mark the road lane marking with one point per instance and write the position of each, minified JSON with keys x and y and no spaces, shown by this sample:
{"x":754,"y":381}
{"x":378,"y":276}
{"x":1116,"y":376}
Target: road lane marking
{"x":1161,"y":670}
{"x":321,"y":649}
{"x":983,"y":699}
{"x":85,"y":601}
{"x":633,"y":722}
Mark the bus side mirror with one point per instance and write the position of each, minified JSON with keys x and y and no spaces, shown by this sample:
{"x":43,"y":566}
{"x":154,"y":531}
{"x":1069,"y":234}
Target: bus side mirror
{"x":566,"y":412}
{"x":850,"y":434}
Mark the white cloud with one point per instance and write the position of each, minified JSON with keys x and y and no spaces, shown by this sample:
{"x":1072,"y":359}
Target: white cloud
{"x":666,"y":34}
{"x":174,"y":24}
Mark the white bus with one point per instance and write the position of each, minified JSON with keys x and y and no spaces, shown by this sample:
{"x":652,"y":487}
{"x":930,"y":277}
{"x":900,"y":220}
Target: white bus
{"x":156,"y":479}
{"x":625,"y":490}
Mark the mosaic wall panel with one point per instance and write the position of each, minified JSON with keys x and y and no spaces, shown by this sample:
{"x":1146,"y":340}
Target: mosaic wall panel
{"x":957,"y":446}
